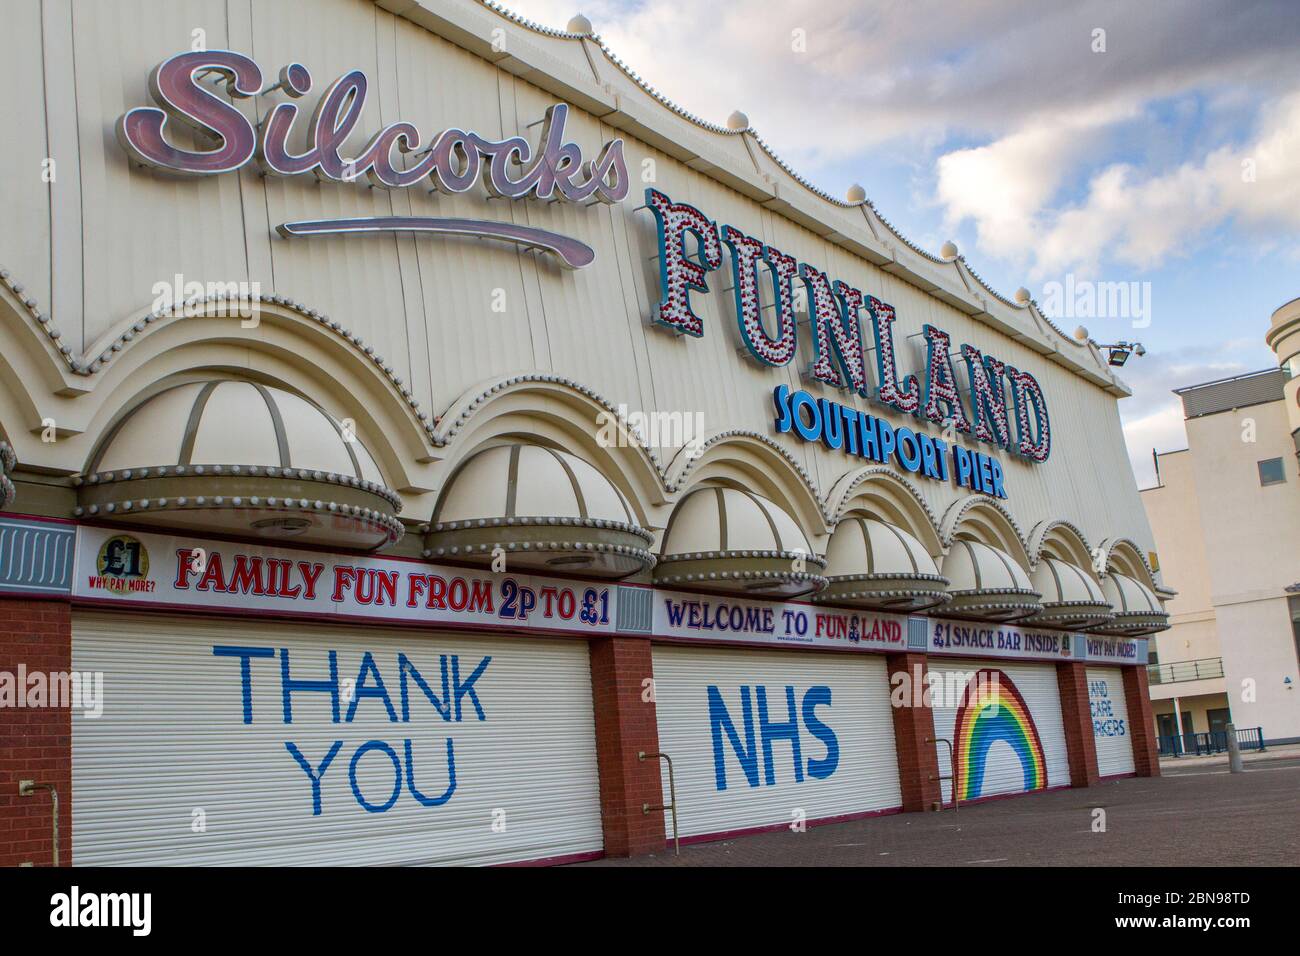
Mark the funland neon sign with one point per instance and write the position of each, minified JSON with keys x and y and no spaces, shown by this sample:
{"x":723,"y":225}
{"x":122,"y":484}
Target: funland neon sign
{"x":454,"y":162}
{"x":839,"y":354}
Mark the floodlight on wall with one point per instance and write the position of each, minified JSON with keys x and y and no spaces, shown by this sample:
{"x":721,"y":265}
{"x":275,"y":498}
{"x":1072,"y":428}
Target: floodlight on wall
{"x":1117,"y":354}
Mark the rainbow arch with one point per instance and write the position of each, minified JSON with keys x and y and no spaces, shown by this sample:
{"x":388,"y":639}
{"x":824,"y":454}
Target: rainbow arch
{"x":992,"y":710}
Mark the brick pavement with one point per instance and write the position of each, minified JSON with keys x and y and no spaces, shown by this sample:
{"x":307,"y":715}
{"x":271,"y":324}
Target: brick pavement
{"x":1194,"y":815}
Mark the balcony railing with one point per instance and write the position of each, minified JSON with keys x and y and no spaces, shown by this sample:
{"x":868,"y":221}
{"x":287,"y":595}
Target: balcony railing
{"x":1185,"y":670}
{"x":1215,"y":742}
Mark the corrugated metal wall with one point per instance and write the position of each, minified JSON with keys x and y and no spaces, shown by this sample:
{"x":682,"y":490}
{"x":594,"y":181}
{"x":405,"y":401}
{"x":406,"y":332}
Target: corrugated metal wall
{"x":1110,"y":725}
{"x":172,"y":747}
{"x":1240,"y":392}
{"x":1004,"y":767}
{"x":841,"y":741}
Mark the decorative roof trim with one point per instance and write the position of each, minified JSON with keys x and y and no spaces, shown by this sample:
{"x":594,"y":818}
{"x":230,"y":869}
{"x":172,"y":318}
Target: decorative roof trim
{"x":1028,"y":304}
{"x":956,"y":513}
{"x":841,"y":499}
{"x":1038,"y":538}
{"x":112,"y":343}
{"x":538,"y":521}
{"x":676,"y":475}
{"x":238,"y":471}
{"x":458,"y":414}
{"x":1110,"y":545}
{"x":393,"y":528}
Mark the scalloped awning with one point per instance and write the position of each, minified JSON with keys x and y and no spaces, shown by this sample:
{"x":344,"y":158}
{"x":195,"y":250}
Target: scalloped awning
{"x":987,"y":584}
{"x":539,"y":508}
{"x":240,"y":458}
{"x":726,"y":539}
{"x":873,"y":564}
{"x":1071,"y":600}
{"x":1137,"y":609}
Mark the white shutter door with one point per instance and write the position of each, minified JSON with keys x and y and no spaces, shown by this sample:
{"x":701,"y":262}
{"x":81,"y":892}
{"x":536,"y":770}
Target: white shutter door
{"x":1003,"y":752}
{"x":842,"y":727}
{"x":173,"y":751}
{"x":1110,"y":726}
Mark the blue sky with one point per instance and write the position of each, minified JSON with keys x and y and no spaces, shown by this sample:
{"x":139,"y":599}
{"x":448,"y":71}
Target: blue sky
{"x":1163,"y":150}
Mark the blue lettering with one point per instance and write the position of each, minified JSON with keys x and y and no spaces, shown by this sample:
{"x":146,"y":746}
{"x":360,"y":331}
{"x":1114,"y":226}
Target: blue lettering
{"x":314,"y":775}
{"x":719,"y":721}
{"x":404,"y":667}
{"x":773,"y":731}
{"x":451,"y":777}
{"x":245,"y":654}
{"x":288,"y":685}
{"x":468,"y":686}
{"x":364,"y":749}
{"x":361,"y":690}
{"x":823,"y":768}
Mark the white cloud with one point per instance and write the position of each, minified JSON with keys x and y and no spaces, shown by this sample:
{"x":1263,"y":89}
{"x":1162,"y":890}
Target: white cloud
{"x":1126,"y":218}
{"x":879,"y":71}
{"x":1004,"y":187}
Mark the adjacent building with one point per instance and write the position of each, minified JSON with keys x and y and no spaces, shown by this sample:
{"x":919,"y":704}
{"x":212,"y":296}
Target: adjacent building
{"x":1226,"y":516}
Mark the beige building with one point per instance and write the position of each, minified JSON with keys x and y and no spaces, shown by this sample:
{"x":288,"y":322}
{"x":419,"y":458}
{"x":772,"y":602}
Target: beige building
{"x":1226,"y":516}
{"x":414,"y":414}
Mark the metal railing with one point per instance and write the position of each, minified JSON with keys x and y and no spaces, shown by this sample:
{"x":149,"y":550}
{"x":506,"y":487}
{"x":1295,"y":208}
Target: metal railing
{"x":1185,"y":670}
{"x":1213,"y":742}
{"x":29,"y":788}
{"x":672,"y":797}
{"x":952,"y":776}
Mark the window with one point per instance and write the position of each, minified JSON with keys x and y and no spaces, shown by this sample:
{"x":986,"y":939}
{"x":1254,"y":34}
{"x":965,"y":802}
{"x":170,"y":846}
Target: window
{"x":1272,"y":472}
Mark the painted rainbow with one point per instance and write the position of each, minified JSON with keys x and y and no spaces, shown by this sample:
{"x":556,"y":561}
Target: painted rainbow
{"x":992,"y":710}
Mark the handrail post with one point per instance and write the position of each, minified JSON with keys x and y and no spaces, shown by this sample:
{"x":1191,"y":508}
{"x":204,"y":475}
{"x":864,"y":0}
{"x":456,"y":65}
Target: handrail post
{"x":672,"y":797}
{"x":28,"y":788}
{"x":952,"y":767}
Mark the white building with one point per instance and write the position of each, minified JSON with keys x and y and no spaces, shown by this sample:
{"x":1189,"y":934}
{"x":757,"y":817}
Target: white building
{"x":1226,"y":516}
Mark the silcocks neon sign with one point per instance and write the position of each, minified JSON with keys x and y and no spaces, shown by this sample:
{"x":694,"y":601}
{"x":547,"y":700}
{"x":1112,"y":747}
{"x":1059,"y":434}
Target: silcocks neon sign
{"x":454,"y":162}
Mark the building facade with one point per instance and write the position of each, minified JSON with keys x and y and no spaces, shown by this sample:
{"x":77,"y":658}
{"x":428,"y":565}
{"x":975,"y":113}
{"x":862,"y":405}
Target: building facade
{"x":423,"y":432}
{"x":1226,"y":516}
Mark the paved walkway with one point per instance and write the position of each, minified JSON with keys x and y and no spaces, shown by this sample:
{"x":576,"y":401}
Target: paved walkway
{"x":1196,"y":814}
{"x":1276,"y":752}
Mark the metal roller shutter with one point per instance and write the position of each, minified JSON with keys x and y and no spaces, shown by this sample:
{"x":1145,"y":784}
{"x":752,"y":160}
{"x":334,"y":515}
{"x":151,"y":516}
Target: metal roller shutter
{"x":1006,"y":749}
{"x":1110,"y":721}
{"x":172,"y":748}
{"x":842,"y":727}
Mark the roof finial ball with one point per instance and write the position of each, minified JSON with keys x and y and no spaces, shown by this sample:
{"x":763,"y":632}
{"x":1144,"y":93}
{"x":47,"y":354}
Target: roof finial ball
{"x":1022,"y":296}
{"x":856,"y":194}
{"x":738,"y":121}
{"x":949,"y":251}
{"x":581,"y":25}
